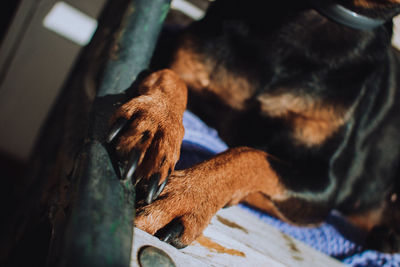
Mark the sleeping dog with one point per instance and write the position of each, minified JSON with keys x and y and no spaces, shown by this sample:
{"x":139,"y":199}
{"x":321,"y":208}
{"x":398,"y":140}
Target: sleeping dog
{"x":306,"y":94}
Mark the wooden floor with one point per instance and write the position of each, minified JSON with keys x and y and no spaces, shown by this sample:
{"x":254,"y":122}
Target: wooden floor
{"x":237,"y":238}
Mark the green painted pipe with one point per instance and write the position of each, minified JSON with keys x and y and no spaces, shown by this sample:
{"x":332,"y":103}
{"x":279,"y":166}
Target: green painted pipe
{"x":100,"y":229}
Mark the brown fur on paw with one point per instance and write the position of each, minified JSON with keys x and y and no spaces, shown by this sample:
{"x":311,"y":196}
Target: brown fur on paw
{"x":182,"y":211}
{"x":147,"y":132}
{"x":194,"y":195}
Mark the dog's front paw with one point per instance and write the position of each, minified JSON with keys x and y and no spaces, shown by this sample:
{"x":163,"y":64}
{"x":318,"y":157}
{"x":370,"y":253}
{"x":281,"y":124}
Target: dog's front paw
{"x":182,"y":211}
{"x":146,"y":134}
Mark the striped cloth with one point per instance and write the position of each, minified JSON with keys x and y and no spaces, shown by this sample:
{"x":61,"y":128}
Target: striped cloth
{"x":336,"y":237}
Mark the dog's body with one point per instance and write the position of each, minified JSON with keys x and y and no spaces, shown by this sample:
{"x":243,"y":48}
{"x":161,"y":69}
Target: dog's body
{"x":311,"y":107}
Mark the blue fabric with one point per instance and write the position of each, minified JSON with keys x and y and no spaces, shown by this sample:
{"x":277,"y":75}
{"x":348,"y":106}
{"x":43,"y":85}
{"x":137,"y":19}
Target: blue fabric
{"x":336,"y":237}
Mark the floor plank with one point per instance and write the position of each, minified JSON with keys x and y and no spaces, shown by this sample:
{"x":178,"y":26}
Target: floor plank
{"x":237,"y":238}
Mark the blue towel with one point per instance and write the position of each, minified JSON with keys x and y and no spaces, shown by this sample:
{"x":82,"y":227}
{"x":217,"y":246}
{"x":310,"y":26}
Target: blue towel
{"x":336,"y":237}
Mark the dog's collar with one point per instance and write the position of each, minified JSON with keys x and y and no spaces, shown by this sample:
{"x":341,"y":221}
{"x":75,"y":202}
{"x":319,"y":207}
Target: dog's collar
{"x":347,"y":17}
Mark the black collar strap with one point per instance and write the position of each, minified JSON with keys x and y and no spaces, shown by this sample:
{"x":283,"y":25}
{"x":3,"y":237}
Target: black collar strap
{"x":347,"y":17}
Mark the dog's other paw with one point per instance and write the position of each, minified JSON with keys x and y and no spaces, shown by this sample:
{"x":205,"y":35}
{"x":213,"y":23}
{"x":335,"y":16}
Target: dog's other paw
{"x":383,"y":239}
{"x":147,"y":133}
{"x":182,"y":211}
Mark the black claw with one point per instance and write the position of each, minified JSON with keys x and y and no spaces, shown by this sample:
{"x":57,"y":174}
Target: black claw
{"x":116,"y":129}
{"x":131,"y":165}
{"x":161,"y":188}
{"x":171,"y":233}
{"x":137,"y":180}
{"x":152,"y":188}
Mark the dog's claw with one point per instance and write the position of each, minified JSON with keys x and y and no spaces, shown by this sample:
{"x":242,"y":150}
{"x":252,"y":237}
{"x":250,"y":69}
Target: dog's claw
{"x":116,"y":129}
{"x":131,"y":165}
{"x":153,"y":188}
{"x":161,"y":188}
{"x":171,"y":233}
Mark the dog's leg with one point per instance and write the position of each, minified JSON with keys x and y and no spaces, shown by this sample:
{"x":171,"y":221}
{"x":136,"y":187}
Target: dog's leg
{"x":259,"y":201}
{"x":194,"y":195}
{"x":148,"y":131}
{"x":151,"y":138}
{"x":382,"y":225}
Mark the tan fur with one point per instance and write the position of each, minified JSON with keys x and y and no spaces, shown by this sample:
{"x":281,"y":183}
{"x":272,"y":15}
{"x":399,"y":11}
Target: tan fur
{"x":367,"y":220}
{"x":205,"y":75}
{"x":311,"y":119}
{"x":386,"y":214}
{"x":261,"y":202}
{"x":190,"y":67}
{"x":158,"y":111}
{"x":194,"y":195}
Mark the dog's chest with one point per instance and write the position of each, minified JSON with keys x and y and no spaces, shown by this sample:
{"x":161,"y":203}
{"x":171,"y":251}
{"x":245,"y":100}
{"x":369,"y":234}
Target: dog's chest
{"x":311,"y":121}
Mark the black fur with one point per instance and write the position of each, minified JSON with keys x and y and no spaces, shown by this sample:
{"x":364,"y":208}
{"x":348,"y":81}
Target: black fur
{"x":287,"y":44}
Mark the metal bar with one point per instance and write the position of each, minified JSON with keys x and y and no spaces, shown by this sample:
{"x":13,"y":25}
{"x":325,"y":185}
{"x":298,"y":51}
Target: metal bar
{"x":100,"y":229}
{"x":136,"y":46}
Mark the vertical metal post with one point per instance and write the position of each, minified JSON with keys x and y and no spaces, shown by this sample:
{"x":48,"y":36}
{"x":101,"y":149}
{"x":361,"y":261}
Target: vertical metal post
{"x":136,"y":45}
{"x":100,"y":229}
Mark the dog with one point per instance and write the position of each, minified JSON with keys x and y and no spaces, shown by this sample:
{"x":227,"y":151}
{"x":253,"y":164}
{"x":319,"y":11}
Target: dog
{"x":306,"y":95}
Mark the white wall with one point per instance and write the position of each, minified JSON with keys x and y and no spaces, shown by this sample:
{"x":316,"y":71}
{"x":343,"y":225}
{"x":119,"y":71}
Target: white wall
{"x":35,"y":62}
